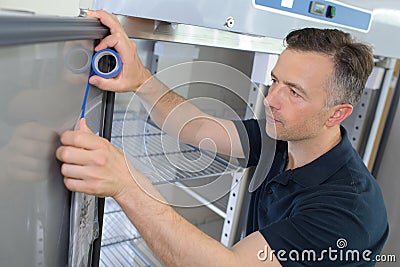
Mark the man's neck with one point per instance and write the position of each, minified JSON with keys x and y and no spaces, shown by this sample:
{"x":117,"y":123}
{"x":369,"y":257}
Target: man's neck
{"x":303,"y":152}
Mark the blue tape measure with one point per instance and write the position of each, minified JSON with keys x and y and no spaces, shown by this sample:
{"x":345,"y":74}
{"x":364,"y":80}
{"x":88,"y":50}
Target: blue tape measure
{"x":105,"y":63}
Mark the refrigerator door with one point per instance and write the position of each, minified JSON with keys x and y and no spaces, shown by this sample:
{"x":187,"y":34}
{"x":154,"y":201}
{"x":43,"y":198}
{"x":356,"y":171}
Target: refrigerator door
{"x":43,"y":75}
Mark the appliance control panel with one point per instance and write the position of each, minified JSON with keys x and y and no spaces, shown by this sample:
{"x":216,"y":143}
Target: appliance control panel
{"x":332,"y":12}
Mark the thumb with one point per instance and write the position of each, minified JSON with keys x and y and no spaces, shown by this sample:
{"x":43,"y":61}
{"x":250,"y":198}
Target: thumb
{"x":83,"y":126}
{"x":105,"y":84}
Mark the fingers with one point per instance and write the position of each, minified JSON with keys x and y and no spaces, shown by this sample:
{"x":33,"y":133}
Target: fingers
{"x":106,"y":42}
{"x":76,"y":185}
{"x":90,"y":164}
{"x":74,"y":171}
{"x":81,"y":147}
{"x":73,"y":155}
{"x":126,"y":80}
{"x":83,"y":126}
{"x":133,"y":74}
{"x":117,"y":84}
{"x":83,"y":138}
{"x":84,"y":186}
{"x":118,"y":37}
{"x":115,"y":40}
{"x":105,"y":84}
{"x":121,"y":43}
{"x":82,"y":170}
{"x":109,"y":20}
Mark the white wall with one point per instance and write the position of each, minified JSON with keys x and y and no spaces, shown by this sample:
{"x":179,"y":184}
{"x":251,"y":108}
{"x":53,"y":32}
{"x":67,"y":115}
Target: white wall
{"x":44,"y":7}
{"x":388,"y":179}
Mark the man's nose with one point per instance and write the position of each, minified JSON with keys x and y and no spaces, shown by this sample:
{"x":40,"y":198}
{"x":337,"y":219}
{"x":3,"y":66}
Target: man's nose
{"x":272,"y":98}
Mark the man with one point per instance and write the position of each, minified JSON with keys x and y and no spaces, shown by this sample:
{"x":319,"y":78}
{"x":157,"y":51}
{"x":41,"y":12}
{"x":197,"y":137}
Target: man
{"x":318,"y":201}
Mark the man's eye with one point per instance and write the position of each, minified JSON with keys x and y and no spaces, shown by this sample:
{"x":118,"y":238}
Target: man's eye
{"x":273,"y":81}
{"x":293,"y":93}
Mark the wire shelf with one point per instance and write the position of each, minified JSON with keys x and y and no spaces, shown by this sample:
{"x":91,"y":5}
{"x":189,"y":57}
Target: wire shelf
{"x":111,"y":205}
{"x":163,"y":158}
{"x":128,"y":253}
{"x":117,"y":229}
{"x":132,"y":126}
{"x":121,"y":243}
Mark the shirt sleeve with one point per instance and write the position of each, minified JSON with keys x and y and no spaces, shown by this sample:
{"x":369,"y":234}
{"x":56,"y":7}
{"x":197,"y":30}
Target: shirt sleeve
{"x":250,"y":137}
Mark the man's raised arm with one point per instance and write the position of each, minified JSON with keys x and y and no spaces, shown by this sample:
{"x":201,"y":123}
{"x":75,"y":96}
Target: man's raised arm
{"x":171,"y":112}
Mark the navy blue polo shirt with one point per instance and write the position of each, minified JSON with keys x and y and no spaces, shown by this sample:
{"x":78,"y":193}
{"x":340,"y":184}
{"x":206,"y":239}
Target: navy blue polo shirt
{"x":329,"y":212}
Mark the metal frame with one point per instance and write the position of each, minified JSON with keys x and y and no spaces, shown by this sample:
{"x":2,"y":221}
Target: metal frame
{"x":188,"y":34}
{"x":394,"y":106}
{"x":106,"y":129}
{"x":359,"y":123}
{"x":380,"y":115}
{"x":239,"y":198}
{"x":236,"y":209}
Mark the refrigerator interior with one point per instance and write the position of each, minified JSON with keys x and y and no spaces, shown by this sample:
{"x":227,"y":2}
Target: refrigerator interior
{"x":197,"y":183}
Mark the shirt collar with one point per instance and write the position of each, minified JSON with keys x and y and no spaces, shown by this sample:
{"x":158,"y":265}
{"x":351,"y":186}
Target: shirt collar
{"x":319,"y":170}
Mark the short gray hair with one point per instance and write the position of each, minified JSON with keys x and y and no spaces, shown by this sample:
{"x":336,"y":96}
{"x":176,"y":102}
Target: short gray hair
{"x":353,"y":61}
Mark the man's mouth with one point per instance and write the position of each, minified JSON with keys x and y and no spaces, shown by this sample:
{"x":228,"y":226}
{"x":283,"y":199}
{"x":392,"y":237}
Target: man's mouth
{"x":272,"y":119}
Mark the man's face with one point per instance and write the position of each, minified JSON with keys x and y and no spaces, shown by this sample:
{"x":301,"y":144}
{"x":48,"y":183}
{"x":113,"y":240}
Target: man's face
{"x":296,"y":101}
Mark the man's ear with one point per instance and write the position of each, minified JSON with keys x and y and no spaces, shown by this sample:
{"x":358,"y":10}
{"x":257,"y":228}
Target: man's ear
{"x":340,"y":113}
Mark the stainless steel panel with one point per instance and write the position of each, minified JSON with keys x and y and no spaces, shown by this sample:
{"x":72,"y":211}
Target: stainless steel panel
{"x":44,"y":70}
{"x":248,"y":20}
{"x":190,"y":34}
{"x":40,"y":98}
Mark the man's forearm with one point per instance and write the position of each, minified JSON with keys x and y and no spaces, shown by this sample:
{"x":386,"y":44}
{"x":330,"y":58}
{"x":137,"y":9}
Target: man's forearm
{"x":170,"y":111}
{"x":173,"y":239}
{"x":183,"y":120}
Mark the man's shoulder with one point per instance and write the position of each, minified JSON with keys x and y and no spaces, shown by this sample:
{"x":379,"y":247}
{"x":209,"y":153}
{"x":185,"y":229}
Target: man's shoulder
{"x":355,"y":173}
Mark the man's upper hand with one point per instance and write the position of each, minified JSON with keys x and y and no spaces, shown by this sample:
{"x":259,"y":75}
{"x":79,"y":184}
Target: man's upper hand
{"x":133,"y":74}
